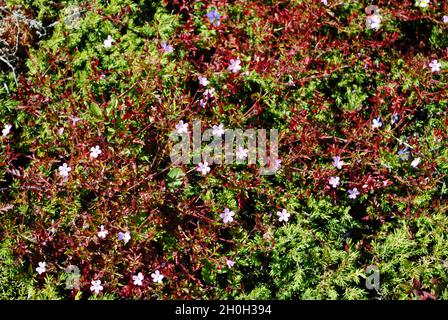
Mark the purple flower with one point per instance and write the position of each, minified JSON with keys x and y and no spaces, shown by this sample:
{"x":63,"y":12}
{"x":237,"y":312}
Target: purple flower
{"x":394,"y":119}
{"x":337,"y":162}
{"x":214,"y":17}
{"x":227,"y":215}
{"x":124,"y":236}
{"x":376,"y":123}
{"x":404,"y":154}
{"x":235,"y":65}
{"x":353,"y":193}
{"x":230,"y":263}
{"x":166,"y":47}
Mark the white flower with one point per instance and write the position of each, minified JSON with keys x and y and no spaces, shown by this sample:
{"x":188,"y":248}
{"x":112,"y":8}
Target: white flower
{"x":435,"y":66}
{"x":227,"y":215}
{"x":283,"y":215}
{"x":325,"y":2}
{"x":182,"y":127}
{"x":138,"y":279}
{"x":235,"y":65}
{"x":41,"y":268}
{"x":373,"y":21}
{"x":95,"y":151}
{"x":353,"y":193}
{"x":218,"y":130}
{"x":334,"y":182}
{"x":6,"y":130}
{"x":203,"y":168}
{"x":376,"y":123}
{"x":64,"y":170}
{"x":209,"y":93}
{"x":445,"y":19}
{"x":60,"y":131}
{"x":108,"y":42}
{"x":103,"y":232}
{"x":124,"y":236}
{"x":230,"y":263}
{"x":415,"y":162}
{"x":337,"y":162}
{"x":241,"y":153}
{"x":422,"y":3}
{"x":157,"y":277}
{"x":203,"y":81}
{"x":96,"y":286}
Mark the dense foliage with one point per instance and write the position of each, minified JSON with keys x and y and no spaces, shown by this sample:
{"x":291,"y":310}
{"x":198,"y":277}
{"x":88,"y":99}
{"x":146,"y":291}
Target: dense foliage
{"x":359,"y":99}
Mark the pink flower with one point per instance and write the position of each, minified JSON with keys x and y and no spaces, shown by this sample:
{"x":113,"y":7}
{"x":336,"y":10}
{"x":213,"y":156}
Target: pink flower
{"x":235,"y":65}
{"x":41,"y":268}
{"x":203,"y":168}
{"x":337,"y":162}
{"x":241,"y":153}
{"x":203,"y":81}
{"x":227,"y":215}
{"x":334,"y":182}
{"x":124,"y":236}
{"x":138,"y":279}
{"x":353,"y":193}
{"x":157,"y":277}
{"x":230,"y":263}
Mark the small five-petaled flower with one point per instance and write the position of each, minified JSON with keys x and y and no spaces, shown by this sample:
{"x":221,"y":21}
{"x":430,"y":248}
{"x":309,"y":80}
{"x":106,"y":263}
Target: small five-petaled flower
{"x":138,"y":279}
{"x":203,"y":81}
{"x":376,"y":123}
{"x":373,"y":21}
{"x":209,"y":93}
{"x":103,"y":232}
{"x":157,"y":277}
{"x":182,"y":127}
{"x":241,"y":153}
{"x":167,"y":48}
{"x":214,"y":17}
{"x":96,"y":286}
{"x":334,"y":182}
{"x":41,"y":268}
{"x":415,"y":162}
{"x":353,"y":193}
{"x":227,"y":215}
{"x":203,"y":168}
{"x":6,"y":130}
{"x":124,"y":236}
{"x":230,"y":263}
{"x":218,"y":130}
{"x":64,"y":170}
{"x":435,"y":66}
{"x":108,"y":42}
{"x":95,"y":151}
{"x":235,"y":65}
{"x":337,"y":162}
{"x":283,"y":215}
